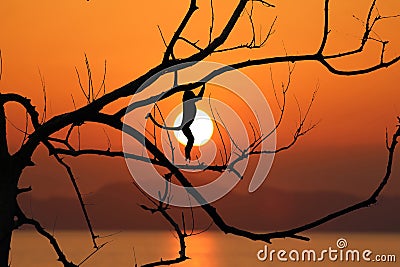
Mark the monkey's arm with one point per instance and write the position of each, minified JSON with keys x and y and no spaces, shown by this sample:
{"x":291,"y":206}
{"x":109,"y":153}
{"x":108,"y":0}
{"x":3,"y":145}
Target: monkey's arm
{"x":201,"y":93}
{"x":181,"y":88}
{"x":177,"y":128}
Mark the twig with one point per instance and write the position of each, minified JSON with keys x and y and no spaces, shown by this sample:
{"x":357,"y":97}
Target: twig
{"x":78,"y":193}
{"x":181,"y":235}
{"x":224,"y":160}
{"x":212,"y":21}
{"x":42,"y":81}
{"x":169,"y":52}
{"x":93,"y":253}
{"x":162,"y":36}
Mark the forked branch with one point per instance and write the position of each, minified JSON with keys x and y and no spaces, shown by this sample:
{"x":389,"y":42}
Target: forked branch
{"x":363,"y":204}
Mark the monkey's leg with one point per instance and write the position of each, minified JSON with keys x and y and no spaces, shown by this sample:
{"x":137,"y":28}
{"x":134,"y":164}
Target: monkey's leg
{"x":189,"y":135}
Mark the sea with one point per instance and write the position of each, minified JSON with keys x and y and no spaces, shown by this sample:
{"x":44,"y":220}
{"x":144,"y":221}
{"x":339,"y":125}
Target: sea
{"x":211,"y":248}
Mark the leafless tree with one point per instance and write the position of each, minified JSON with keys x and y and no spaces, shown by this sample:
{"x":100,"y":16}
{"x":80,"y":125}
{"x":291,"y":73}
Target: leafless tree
{"x":45,"y":129}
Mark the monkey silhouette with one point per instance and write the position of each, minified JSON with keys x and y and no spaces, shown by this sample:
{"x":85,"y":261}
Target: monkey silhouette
{"x":189,"y":100}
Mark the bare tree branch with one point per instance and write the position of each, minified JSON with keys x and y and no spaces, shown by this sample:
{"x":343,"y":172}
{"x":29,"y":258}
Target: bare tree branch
{"x":208,"y":208}
{"x":169,"y":52}
{"x":162,"y":209}
{"x":265,"y":3}
{"x":326,"y":30}
{"x":193,"y":44}
{"x":363,"y":204}
{"x":131,"y":88}
{"x":78,"y":193}
{"x":212,"y":22}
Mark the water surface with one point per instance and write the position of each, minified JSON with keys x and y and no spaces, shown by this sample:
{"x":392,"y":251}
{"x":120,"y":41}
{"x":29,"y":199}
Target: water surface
{"x":208,"y":249}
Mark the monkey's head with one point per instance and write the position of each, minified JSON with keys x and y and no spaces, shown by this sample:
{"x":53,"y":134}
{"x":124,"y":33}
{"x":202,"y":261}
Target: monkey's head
{"x":187,"y":95}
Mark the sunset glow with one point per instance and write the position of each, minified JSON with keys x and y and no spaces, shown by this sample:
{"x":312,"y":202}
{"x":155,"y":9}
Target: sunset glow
{"x":218,"y":121}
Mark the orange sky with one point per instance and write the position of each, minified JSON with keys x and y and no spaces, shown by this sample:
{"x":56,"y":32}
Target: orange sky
{"x":354,"y":111}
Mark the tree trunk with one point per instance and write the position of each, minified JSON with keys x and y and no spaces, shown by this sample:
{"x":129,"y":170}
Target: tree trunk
{"x":6,"y":224}
{"x":8,"y":194}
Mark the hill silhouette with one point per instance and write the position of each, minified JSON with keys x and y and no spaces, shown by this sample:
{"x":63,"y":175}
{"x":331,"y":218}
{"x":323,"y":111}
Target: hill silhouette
{"x":116,"y":207}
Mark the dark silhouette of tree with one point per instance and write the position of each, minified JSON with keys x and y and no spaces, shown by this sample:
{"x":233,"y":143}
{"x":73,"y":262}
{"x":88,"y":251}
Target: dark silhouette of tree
{"x":12,"y":165}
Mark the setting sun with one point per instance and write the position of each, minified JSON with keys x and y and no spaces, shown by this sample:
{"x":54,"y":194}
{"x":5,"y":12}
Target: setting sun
{"x":202,"y":129}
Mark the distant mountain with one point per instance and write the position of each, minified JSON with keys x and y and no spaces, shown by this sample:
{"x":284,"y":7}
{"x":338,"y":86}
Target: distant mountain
{"x":116,"y":207}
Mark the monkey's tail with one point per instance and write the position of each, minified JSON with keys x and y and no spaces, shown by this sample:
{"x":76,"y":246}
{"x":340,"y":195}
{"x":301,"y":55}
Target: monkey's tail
{"x":175,"y":128}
